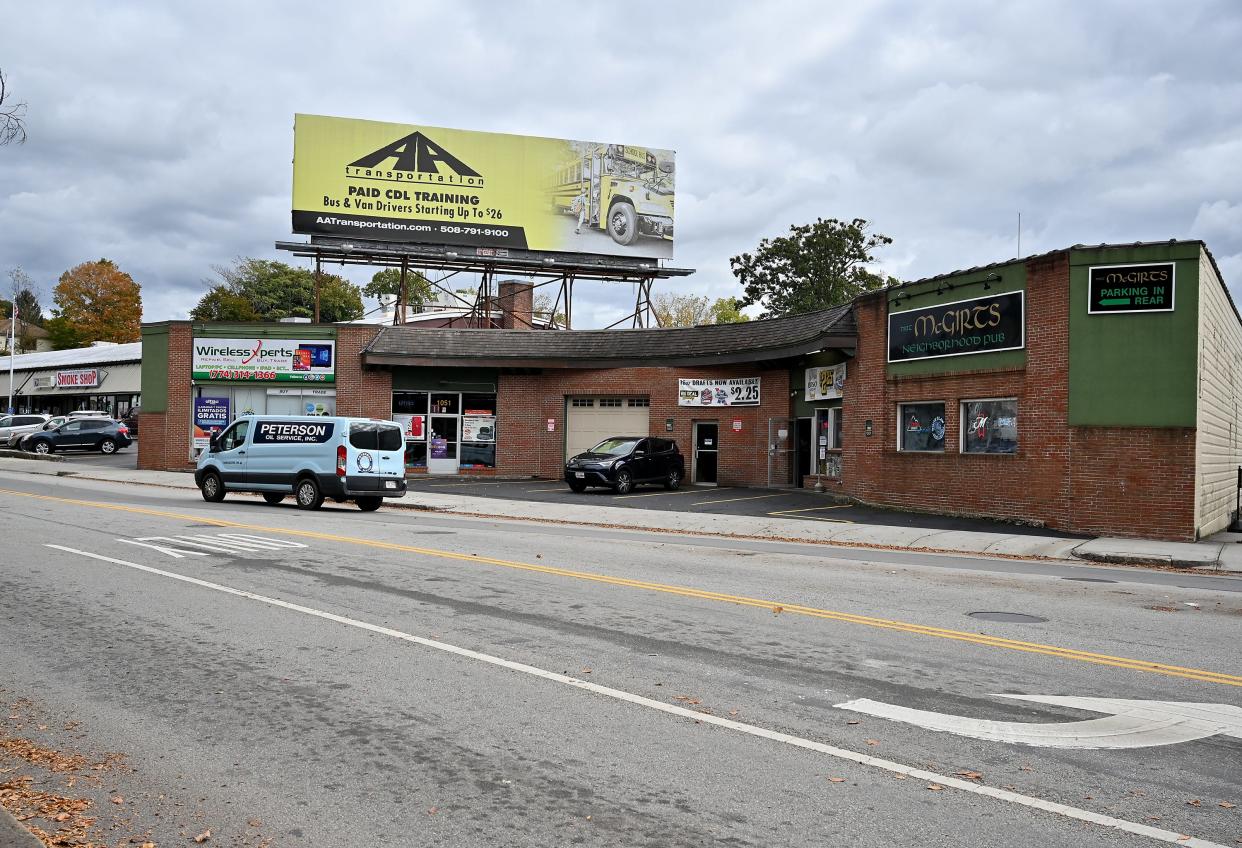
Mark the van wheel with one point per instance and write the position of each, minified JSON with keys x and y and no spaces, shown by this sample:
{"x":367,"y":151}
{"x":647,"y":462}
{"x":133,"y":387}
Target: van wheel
{"x":212,"y":488}
{"x":369,"y":504}
{"x":273,"y":497}
{"x":308,"y":494}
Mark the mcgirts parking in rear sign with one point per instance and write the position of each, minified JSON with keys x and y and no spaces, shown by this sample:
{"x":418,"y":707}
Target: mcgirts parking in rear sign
{"x":979,"y":325}
{"x":1130,"y":288}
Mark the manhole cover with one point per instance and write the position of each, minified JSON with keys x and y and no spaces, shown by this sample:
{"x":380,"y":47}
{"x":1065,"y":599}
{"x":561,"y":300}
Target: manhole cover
{"x":1089,"y":579}
{"x":1016,"y":617}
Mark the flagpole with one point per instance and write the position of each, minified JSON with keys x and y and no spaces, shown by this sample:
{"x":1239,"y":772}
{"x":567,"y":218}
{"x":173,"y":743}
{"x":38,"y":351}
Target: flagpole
{"x":12,"y":352}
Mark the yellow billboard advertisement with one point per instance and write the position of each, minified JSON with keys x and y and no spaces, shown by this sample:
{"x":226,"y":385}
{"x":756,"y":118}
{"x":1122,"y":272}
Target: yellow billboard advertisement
{"x":430,"y":185}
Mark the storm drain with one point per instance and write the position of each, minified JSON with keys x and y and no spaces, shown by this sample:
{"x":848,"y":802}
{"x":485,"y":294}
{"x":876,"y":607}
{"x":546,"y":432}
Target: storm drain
{"x":1089,"y":579}
{"x":1015,"y":617}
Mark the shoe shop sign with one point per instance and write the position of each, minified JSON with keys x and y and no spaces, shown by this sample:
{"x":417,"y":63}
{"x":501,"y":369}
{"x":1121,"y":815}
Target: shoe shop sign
{"x":979,"y":325}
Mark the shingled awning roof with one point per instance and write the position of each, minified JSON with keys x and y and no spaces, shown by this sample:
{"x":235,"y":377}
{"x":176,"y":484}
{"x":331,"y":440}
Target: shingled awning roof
{"x":716,"y":344}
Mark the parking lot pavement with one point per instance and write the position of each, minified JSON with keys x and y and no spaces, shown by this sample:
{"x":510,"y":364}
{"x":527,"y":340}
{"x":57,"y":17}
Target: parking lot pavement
{"x":800,"y":504}
{"x":124,"y":459}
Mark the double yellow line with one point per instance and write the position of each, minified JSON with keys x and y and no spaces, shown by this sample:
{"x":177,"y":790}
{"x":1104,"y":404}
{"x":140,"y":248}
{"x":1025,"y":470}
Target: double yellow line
{"x":1200,"y":675}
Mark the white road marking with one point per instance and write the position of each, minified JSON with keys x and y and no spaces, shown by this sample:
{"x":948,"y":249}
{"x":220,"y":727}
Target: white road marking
{"x":175,"y":553}
{"x":1130,"y":724}
{"x":681,"y":712}
{"x":226,"y":543}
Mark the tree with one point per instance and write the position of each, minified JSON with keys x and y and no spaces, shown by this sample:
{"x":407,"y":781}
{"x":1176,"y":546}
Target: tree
{"x":386,"y":284}
{"x":267,"y":290}
{"x":815,"y":267}
{"x":29,"y":310}
{"x":98,"y":302}
{"x":12,"y":116}
{"x":690,"y":310}
{"x":543,"y":306}
{"x":63,"y":334}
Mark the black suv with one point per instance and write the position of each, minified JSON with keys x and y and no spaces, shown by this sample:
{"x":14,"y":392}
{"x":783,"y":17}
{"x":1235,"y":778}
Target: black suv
{"x":101,"y":434}
{"x":622,"y":462}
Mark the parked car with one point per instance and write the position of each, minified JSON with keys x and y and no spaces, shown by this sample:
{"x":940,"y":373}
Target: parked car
{"x":87,"y":433}
{"x":131,"y":421}
{"x":308,"y":456}
{"x":623,"y":462}
{"x":13,"y":427}
{"x":52,"y":423}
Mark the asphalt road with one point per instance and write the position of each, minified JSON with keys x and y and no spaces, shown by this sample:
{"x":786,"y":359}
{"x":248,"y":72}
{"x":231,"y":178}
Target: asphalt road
{"x":396,"y":679}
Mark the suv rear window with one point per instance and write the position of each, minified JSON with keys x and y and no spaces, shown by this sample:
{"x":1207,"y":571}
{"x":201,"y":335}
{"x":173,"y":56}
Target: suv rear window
{"x":95,"y":423}
{"x":367,"y":436}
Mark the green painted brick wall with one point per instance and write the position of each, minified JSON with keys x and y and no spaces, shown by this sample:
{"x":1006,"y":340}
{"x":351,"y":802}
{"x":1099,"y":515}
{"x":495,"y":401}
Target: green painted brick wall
{"x":155,"y":368}
{"x":1134,"y":369}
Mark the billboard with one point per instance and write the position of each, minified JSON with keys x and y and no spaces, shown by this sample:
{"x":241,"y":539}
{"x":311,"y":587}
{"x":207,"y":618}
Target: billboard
{"x":430,"y":185}
{"x":264,"y":360}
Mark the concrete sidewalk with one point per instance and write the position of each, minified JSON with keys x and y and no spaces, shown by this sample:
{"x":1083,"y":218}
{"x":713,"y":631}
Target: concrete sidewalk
{"x":1217,"y":554}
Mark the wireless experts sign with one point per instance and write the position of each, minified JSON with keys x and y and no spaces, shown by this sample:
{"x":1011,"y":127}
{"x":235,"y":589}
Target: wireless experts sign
{"x":264,"y":360}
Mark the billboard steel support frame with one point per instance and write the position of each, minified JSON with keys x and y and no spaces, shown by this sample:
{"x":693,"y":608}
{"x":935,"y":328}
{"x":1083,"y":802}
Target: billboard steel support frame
{"x":539,"y":268}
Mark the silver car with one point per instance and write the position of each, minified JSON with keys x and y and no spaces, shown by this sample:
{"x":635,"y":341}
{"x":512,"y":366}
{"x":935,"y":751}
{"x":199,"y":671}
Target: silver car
{"x":14,"y":427}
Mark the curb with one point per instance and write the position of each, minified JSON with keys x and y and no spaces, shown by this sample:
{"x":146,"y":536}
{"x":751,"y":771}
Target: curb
{"x":9,"y":453}
{"x":13,"y":835}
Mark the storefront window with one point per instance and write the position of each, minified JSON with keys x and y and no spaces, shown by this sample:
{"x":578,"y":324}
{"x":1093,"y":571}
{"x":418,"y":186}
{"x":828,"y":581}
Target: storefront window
{"x":445,"y":404}
{"x":447,"y":426}
{"x":990,"y":426}
{"x":920,"y":427}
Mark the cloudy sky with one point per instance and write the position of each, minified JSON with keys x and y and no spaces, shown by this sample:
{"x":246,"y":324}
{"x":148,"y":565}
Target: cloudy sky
{"x":160,"y":135}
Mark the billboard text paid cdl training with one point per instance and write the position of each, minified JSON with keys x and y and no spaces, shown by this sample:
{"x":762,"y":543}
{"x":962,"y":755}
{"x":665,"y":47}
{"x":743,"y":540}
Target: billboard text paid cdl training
{"x":395,"y":182}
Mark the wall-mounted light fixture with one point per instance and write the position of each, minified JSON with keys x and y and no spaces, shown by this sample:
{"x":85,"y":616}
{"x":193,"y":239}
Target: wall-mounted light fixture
{"x":987,"y":281}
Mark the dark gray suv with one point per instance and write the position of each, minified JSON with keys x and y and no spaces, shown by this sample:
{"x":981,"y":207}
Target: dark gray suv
{"x":622,"y":462}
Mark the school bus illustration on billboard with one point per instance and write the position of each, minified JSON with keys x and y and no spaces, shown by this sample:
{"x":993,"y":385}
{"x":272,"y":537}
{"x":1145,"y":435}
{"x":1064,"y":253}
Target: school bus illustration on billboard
{"x":624,"y":190}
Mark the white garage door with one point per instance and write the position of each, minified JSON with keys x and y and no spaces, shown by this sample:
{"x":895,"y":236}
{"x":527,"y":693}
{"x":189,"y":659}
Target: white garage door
{"x":590,"y":420}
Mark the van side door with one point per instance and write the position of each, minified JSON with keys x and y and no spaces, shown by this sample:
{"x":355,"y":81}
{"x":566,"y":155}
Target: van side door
{"x":231,"y":453}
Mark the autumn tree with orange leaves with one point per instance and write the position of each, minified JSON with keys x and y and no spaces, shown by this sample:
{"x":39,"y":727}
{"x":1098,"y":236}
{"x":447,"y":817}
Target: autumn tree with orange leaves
{"x":95,"y":302}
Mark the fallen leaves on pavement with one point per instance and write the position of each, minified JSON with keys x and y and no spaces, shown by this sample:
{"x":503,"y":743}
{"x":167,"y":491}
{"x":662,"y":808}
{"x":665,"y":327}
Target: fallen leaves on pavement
{"x":203,"y":837}
{"x":969,"y":775}
{"x":935,"y":787}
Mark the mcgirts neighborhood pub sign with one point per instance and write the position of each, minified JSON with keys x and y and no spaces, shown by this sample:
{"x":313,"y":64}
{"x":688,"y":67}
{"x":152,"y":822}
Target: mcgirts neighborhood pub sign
{"x":1130,"y":288}
{"x":978,"y":325}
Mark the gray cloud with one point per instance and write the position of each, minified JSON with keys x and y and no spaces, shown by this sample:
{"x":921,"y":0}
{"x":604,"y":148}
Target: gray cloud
{"x":161,"y":136}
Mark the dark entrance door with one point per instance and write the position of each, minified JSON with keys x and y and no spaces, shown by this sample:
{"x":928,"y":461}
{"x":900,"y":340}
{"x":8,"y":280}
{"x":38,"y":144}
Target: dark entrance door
{"x":805,"y":448}
{"x":706,"y":451}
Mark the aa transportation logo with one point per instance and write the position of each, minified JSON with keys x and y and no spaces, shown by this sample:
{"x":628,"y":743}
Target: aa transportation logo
{"x":366,"y":463}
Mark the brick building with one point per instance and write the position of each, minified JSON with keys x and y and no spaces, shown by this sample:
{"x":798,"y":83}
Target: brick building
{"x":1091,"y":389}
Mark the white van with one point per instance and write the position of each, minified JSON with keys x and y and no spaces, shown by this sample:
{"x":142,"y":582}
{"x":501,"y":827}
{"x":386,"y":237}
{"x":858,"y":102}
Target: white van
{"x":308,"y":456}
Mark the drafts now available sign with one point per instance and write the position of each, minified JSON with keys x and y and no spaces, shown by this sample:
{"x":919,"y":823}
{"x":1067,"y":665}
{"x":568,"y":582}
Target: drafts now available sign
{"x":265,"y":360}
{"x":431,"y":185}
{"x":735,"y":391}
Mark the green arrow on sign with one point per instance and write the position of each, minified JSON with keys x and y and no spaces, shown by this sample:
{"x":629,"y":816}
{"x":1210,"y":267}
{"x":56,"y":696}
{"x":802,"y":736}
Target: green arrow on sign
{"x":1115,"y":301}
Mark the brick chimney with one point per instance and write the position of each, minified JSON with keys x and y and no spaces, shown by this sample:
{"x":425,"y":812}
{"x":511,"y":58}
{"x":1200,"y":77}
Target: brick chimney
{"x":517,"y":303}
